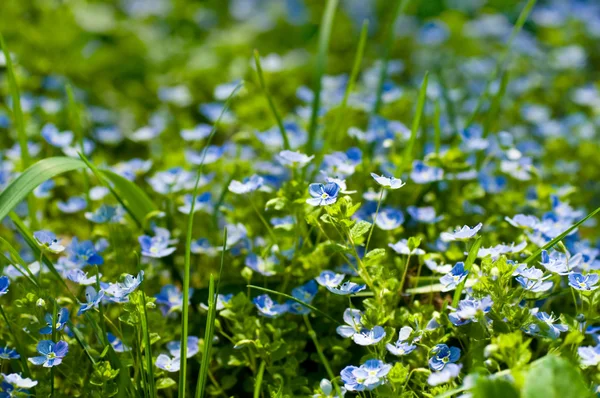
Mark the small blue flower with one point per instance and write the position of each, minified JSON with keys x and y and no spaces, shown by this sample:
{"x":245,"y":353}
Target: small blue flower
{"x":402,"y":346}
{"x":8,"y":353}
{"x":443,"y":355}
{"x":305,"y":293}
{"x":106,"y":214}
{"x":43,"y":190}
{"x":167,"y":363}
{"x":78,"y":276}
{"x":353,"y":320}
{"x":453,"y":278}
{"x":171,"y":298}
{"x":52,"y":353}
{"x":265,"y":305}
{"x":203,"y":202}
{"x":388,"y":182}
{"x":323,"y":195}
{"x":285,"y":223}
{"x":223,"y":301}
{"x":550,"y":328}
{"x":582,"y":282}
{"x":463,"y":233}
{"x":14,"y":380}
{"x":116,"y":343}
{"x":470,"y":310}
{"x":329,"y":278}
{"x":193,"y":347}
{"x":369,"y":337}
{"x":200,"y":132}
{"x":121,"y":290}
{"x":423,"y":174}
{"x":401,"y":247}
{"x":368,"y":376}
{"x":247,"y":185}
{"x":62,"y":317}
{"x":346,"y":288}
{"x":425,"y":215}
{"x":203,"y":246}
{"x":157,"y":246}
{"x":4,"y":284}
{"x":293,"y":159}
{"x":55,"y":138}
{"x":389,"y":219}
{"x":264,"y":267}
{"x":93,"y":299}
{"x":206,"y":156}
{"x":589,"y":356}
{"x":72,"y":205}
{"x":48,"y":241}
{"x":84,"y":253}
{"x":327,"y":390}
{"x":448,"y":373}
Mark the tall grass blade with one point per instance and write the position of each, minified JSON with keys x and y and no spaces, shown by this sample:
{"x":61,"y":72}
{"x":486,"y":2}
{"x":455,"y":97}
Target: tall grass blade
{"x":147,"y":341}
{"x":408,"y":151}
{"x":259,"y":379}
{"x":468,"y":265}
{"x":263,"y":85}
{"x":188,"y":251}
{"x":399,"y":9}
{"x":324,"y":36}
{"x":437,"y":127}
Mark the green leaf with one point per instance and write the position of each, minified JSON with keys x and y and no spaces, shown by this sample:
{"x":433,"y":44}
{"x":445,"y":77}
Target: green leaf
{"x":554,"y":377}
{"x":487,"y":387}
{"x":165,"y":382}
{"x":359,"y":229}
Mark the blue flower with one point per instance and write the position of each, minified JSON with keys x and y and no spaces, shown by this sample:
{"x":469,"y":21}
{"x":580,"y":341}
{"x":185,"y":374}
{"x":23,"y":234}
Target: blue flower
{"x":353,"y":320}
{"x":106,"y":214}
{"x":323,"y":195}
{"x":423,"y":174}
{"x":305,"y":293}
{"x":116,"y":343}
{"x":203,"y":246}
{"x":52,"y":353}
{"x":589,"y":356}
{"x":439,"y":268}
{"x":43,"y":190}
{"x":78,"y":276}
{"x":72,"y":205}
{"x":157,"y":246}
{"x":582,"y":282}
{"x":453,"y":278}
{"x":368,"y":376}
{"x":293,"y":159}
{"x":84,"y":253}
{"x":206,"y":156}
{"x":55,"y":138}
{"x":8,"y":353}
{"x":388,"y":182}
{"x":265,"y":305}
{"x":222,"y":301}
{"x":470,"y":310}
{"x":369,"y":337}
{"x":48,"y":241}
{"x":264,"y":267}
{"x":448,"y":373}
{"x":247,"y":185}
{"x":285,"y":223}
{"x":463,"y":233}
{"x":402,"y":346}
{"x":4,"y":284}
{"x":346,"y":288}
{"x":389,"y":219}
{"x":120,"y":290}
{"x":425,"y":215}
{"x":193,"y":347}
{"x":198,"y":133}
{"x":327,"y":390}
{"x":329,"y":278}
{"x":62,"y":317}
{"x":15,"y":380}
{"x":443,"y":355}
{"x":203,"y":202}
{"x":550,"y":328}
{"x":167,"y":363}
{"x":93,"y":299}
{"x":559,"y":263}
{"x":171,"y":298}
{"x":401,"y":247}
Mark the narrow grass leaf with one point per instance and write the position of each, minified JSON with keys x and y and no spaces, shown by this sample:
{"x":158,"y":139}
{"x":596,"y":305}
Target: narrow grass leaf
{"x":408,"y":151}
{"x":468,"y":266}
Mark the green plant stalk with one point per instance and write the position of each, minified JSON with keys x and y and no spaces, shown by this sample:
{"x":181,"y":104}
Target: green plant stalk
{"x":408,"y":151}
{"x":468,"y":265}
{"x":399,"y":9}
{"x":147,"y":341}
{"x":437,"y":128}
{"x":188,"y":251}
{"x":17,"y":112}
{"x":374,"y":220}
{"x":322,"y":356}
{"x":261,"y":79}
{"x":324,"y":36}
{"x":259,"y":379}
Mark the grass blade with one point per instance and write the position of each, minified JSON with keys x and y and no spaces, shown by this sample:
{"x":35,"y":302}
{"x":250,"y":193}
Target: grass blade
{"x":360,"y":52}
{"x":468,"y":265}
{"x":437,"y":128}
{"x":408,"y":151}
{"x":322,"y":356}
{"x":324,"y":36}
{"x":560,"y":237}
{"x":188,"y":251}
{"x":315,"y":309}
{"x":259,"y":379}
{"x":261,"y":79}
{"x":387,"y":49}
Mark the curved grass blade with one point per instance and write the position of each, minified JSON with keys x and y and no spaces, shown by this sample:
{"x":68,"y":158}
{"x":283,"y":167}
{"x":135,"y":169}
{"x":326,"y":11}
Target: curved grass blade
{"x":360,"y":52}
{"x":387,"y":49}
{"x":468,"y":265}
{"x":261,"y":79}
{"x":188,"y":251}
{"x":560,"y":237}
{"x":408,"y":151}
{"x":315,"y":309}
{"x":16,"y":256}
{"x":324,"y":36}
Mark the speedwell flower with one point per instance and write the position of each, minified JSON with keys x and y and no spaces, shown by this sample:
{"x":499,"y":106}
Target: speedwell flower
{"x":463,"y":233}
{"x":323,"y":195}
{"x":453,"y":278}
{"x":368,"y":376}
{"x":48,"y":241}
{"x":582,"y":282}
{"x":62,"y":317}
{"x":402,"y":346}
{"x":52,"y":353}
{"x":388,"y":182}
{"x":443,"y":355}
